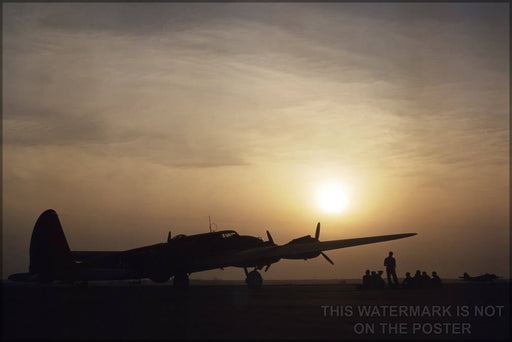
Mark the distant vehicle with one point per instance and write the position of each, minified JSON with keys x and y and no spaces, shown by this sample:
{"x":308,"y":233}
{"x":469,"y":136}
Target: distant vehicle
{"x":51,"y":259}
{"x":483,"y":277}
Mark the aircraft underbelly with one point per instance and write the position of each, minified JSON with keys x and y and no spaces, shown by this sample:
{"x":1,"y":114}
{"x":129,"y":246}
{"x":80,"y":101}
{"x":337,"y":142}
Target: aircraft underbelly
{"x":107,"y":274}
{"x":230,"y":260}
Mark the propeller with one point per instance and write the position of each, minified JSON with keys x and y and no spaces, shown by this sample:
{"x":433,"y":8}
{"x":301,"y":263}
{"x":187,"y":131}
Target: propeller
{"x":317,"y":236}
{"x":317,"y":233}
{"x":270,"y":237}
{"x":272,"y":242}
{"x":327,"y":258}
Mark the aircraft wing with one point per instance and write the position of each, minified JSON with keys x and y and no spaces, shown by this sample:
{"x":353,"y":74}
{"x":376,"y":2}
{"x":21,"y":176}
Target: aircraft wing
{"x":318,"y":246}
{"x":298,"y":250}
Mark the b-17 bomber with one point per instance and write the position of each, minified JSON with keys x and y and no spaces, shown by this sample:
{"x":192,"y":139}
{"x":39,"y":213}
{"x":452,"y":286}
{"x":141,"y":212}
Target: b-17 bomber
{"x":51,"y":258}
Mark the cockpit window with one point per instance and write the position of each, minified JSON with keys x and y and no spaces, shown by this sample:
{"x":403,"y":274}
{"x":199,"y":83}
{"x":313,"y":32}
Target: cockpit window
{"x":180,"y":236}
{"x":228,"y":235}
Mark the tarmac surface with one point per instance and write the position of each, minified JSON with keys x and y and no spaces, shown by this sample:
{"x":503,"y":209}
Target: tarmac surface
{"x":230,"y":310}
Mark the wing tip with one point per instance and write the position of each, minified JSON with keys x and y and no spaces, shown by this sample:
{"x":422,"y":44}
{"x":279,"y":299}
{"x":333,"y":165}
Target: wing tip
{"x":408,"y":234}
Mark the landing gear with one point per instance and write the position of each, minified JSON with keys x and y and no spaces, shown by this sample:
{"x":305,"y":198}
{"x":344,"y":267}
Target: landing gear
{"x":160,"y":277}
{"x":254,"y":279}
{"x":181,"y":281}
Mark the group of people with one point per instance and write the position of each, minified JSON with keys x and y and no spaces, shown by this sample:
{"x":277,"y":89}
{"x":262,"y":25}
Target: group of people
{"x":421,"y":280}
{"x":374,"y":279}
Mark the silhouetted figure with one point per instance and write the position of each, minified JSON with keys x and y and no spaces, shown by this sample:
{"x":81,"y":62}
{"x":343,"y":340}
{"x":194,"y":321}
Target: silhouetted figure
{"x":390,"y":264}
{"x":373,"y":280}
{"x":408,"y":281}
{"x":416,"y":280}
{"x":436,"y":281}
{"x":379,"y":282}
{"x":366,"y":280}
{"x":425,"y":280}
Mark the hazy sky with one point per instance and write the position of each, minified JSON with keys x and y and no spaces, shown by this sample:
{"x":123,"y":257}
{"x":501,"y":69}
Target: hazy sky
{"x":134,"y":119}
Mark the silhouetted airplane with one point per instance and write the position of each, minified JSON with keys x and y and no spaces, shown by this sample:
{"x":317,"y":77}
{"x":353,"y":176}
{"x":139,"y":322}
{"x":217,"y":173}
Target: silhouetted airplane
{"x":51,"y":259}
{"x":483,"y":277}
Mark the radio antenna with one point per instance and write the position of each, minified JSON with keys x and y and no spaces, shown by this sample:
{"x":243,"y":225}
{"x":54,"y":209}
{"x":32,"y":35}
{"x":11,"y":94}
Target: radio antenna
{"x":210,"y":223}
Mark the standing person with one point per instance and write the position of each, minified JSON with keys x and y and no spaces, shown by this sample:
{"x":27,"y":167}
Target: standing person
{"x":390,"y":264}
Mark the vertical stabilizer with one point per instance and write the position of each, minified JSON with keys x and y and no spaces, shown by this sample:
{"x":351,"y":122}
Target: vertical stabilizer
{"x":49,"y":251}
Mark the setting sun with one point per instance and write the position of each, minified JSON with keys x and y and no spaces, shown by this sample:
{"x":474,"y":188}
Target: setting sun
{"x":332,"y":198}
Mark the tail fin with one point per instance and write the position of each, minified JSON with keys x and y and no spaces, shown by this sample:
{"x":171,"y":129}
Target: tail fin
{"x":49,"y":251}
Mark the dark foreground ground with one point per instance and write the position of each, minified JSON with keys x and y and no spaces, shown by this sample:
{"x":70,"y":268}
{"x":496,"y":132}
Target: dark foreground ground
{"x":315,"y":311}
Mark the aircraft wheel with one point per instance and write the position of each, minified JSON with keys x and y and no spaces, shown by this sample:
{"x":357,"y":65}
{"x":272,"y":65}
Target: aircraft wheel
{"x":160,"y":277}
{"x":181,"y":281}
{"x":254,"y":280}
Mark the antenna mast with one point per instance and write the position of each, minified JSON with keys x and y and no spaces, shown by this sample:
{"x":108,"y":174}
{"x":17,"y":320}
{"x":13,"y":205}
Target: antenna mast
{"x":210,"y":223}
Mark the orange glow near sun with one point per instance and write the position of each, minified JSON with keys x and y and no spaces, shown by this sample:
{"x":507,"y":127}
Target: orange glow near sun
{"x":332,"y":198}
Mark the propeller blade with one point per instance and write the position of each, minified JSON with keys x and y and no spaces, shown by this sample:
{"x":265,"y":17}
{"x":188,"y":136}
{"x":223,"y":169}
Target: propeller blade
{"x":327,"y":258}
{"x":317,"y":233}
{"x":268,"y":266}
{"x":270,"y":237}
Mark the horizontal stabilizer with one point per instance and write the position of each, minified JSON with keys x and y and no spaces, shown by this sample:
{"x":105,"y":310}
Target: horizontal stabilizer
{"x":24,"y":277}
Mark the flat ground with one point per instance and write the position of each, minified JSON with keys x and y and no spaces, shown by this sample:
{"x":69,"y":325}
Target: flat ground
{"x":230,"y":310}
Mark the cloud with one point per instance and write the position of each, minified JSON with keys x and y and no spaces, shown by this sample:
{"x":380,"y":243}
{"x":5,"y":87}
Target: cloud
{"x":217,"y":84}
